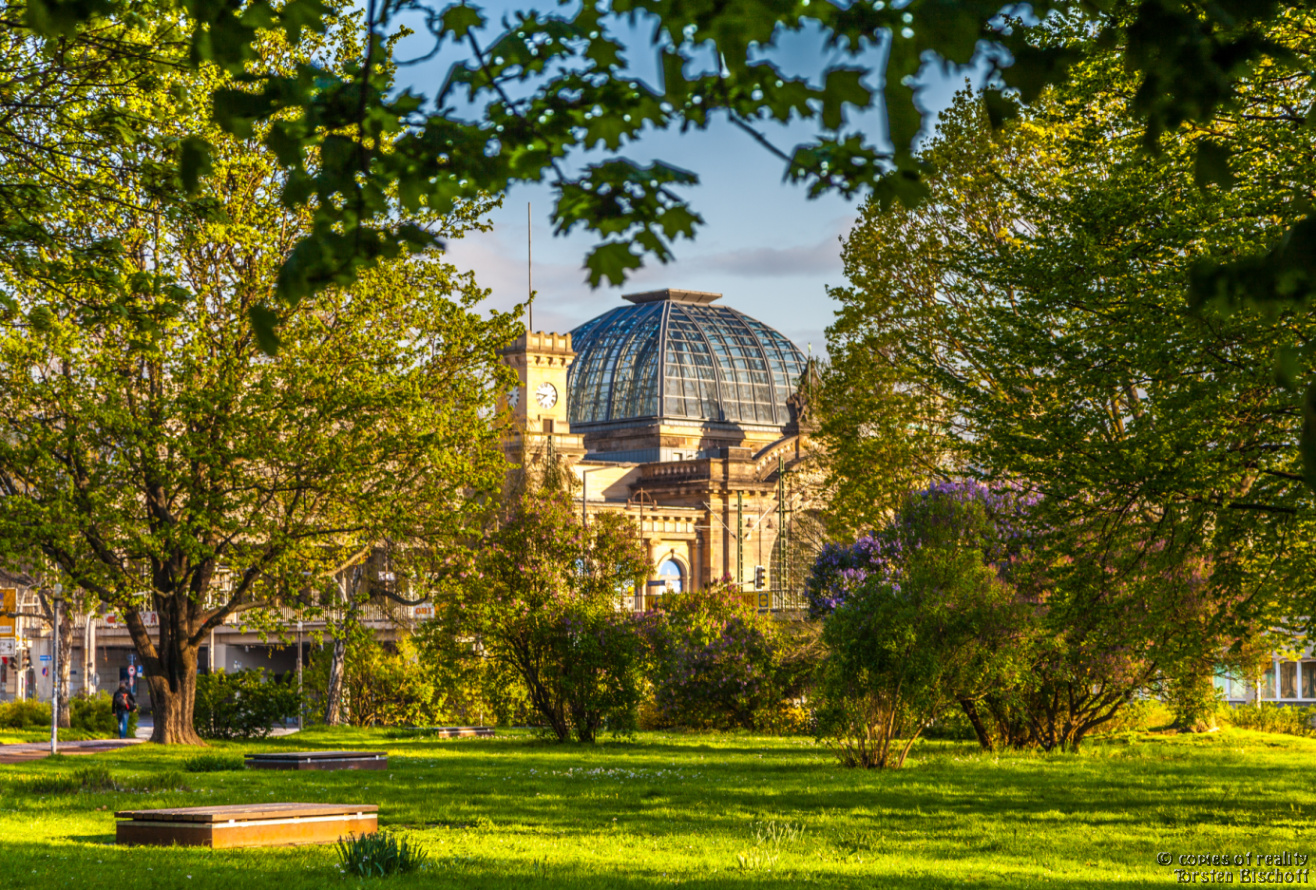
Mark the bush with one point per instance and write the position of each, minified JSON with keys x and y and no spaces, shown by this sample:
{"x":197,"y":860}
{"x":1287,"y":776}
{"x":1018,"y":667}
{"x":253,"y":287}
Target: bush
{"x":24,"y":715}
{"x":95,"y":714}
{"x":937,"y":629}
{"x":719,"y":664}
{"x":214,"y":763}
{"x":1195,"y":700}
{"x":1271,"y":717}
{"x":378,"y":855}
{"x":383,"y":685}
{"x":242,"y":704}
{"x":1140,"y":715}
{"x":539,"y":603}
{"x":90,"y":716}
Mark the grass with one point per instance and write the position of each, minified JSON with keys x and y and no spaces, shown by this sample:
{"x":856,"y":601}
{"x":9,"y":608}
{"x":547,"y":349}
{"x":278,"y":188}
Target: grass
{"x":713,"y":811}
{"x":28,"y":735}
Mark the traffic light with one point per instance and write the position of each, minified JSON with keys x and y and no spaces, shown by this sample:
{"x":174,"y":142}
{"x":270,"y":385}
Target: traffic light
{"x":760,"y":577}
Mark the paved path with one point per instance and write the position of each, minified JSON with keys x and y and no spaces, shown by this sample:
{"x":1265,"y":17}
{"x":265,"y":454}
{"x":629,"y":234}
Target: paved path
{"x":25,"y":752}
{"x":145,"y":726}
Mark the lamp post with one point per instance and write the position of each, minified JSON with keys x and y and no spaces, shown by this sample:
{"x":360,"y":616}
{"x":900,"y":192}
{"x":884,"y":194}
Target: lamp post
{"x":299,"y":676}
{"x":55,"y":602}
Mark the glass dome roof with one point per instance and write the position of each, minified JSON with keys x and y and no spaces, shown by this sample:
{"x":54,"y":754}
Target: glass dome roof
{"x":672,"y":354}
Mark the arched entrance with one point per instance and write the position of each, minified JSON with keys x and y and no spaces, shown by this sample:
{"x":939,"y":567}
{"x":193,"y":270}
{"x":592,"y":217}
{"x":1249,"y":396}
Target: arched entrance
{"x":673,"y":575}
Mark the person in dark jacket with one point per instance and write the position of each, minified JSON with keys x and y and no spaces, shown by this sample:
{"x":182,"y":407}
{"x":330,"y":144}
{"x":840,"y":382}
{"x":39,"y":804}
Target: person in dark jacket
{"x":124,"y":704}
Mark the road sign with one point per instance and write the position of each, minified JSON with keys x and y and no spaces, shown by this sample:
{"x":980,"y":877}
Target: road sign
{"x":8,"y":647}
{"x":8,"y":605}
{"x":45,"y":658}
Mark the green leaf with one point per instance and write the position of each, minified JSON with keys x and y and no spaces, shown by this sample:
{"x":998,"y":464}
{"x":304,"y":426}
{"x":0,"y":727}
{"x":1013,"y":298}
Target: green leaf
{"x":611,"y":261}
{"x":265,"y":324}
{"x":41,"y":318}
{"x":458,"y":20}
{"x":843,"y":85}
{"x":1211,"y":165}
{"x":194,"y":162}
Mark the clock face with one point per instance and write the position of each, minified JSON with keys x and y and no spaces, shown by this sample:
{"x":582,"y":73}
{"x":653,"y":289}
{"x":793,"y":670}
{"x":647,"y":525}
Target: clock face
{"x":514,"y":396}
{"x":546,"y":395}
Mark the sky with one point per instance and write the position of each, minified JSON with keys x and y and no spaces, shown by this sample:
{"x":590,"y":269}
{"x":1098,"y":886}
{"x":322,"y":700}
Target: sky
{"x":770,"y":250}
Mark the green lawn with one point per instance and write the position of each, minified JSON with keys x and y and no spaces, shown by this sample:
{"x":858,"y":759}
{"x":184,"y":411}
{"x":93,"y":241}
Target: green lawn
{"x":673,"y":809}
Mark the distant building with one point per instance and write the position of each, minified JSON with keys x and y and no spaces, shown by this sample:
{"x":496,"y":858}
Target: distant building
{"x":691,"y":418}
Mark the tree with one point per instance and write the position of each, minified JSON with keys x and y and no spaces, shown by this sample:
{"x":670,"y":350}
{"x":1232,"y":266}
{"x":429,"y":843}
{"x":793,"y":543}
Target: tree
{"x":551,"y":84}
{"x":1033,"y":312}
{"x":542,"y":599}
{"x":159,"y":449}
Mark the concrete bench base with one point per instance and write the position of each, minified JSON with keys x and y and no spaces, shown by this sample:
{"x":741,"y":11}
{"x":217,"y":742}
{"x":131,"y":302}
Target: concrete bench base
{"x":258,"y":825}
{"x":322,"y":760}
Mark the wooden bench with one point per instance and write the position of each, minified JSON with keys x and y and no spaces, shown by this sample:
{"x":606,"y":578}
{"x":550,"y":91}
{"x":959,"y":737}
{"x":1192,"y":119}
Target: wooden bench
{"x":460,"y":732}
{"x":246,"y":825}
{"x":324,"y":760}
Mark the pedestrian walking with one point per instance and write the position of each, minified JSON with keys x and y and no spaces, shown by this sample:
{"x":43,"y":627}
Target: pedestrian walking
{"x":124,"y":704}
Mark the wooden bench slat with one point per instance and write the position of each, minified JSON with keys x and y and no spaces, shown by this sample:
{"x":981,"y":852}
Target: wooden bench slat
{"x":245,"y":812}
{"x":316,"y":755}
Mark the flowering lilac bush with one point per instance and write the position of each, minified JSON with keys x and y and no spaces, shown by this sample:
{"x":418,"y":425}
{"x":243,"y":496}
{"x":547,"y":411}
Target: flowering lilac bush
{"x":1100,"y":618}
{"x":920,"y":618}
{"x":994,"y":520}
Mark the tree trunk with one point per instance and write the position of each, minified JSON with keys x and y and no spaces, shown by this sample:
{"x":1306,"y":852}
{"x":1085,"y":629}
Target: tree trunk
{"x":333,"y":710}
{"x":970,"y":708}
{"x":90,"y":678}
{"x":171,"y":666}
{"x":65,"y":719}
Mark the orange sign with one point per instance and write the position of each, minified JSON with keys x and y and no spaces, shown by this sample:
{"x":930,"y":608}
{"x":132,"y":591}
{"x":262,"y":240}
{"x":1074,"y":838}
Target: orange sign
{"x":8,"y":606}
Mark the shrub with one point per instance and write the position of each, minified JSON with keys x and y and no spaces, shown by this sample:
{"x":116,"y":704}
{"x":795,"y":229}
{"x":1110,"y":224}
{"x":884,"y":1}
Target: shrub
{"x":1271,"y":717}
{"x":540,"y":603}
{"x":90,"y":716}
{"x":719,"y":664}
{"x":95,"y":714}
{"x":379,"y":855}
{"x":24,"y":715}
{"x":1195,"y":701}
{"x":1140,"y":715}
{"x":242,"y":704}
{"x":383,"y":685}
{"x":936,"y":629}
{"x":214,"y":763}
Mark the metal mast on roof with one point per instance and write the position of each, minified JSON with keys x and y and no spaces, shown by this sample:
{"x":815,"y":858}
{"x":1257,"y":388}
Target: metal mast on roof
{"x":529,"y":274}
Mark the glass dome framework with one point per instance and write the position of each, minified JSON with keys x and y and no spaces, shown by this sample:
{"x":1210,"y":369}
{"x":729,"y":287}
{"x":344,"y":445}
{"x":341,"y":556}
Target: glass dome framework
{"x":673,"y":354}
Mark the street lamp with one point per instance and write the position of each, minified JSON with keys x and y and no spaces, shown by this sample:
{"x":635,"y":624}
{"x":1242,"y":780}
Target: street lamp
{"x":55,"y":601}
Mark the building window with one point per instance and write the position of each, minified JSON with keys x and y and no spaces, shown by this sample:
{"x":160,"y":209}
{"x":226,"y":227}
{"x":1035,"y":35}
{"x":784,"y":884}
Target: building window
{"x":1288,"y":679}
{"x":1309,"y":679}
{"x":1268,"y":682}
{"x":548,"y":427}
{"x":670,"y":572}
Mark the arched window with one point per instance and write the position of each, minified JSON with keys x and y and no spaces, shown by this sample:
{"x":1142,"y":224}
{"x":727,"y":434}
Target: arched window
{"x":670,"y":572}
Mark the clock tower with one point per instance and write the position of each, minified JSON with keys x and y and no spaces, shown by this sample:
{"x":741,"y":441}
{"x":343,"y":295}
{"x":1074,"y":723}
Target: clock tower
{"x":538,"y":402}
